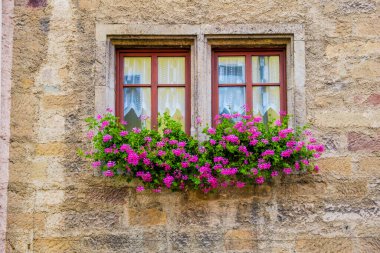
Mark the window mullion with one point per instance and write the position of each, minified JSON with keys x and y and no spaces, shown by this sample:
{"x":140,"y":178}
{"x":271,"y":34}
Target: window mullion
{"x":187,"y":94}
{"x":119,"y":108}
{"x":248,"y":81}
{"x":283,"y":105}
{"x":154,"y":81}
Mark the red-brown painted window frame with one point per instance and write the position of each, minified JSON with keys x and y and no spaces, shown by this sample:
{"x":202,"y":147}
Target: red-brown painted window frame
{"x":248,"y":53}
{"x":154,"y":85}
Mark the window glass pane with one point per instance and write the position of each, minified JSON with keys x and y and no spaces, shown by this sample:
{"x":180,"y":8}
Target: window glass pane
{"x":172,"y":100}
{"x":231,"y":100}
{"x":231,"y":69}
{"x":137,"y":103}
{"x":266,"y":69}
{"x":137,"y":70}
{"x":266,"y":102}
{"x":171,"y":70}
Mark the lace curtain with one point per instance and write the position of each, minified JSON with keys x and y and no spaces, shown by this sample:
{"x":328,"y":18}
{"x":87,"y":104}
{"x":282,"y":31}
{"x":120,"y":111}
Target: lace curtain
{"x":231,"y":69}
{"x":231,"y":100}
{"x":172,"y":100}
{"x":137,"y":70}
{"x":266,"y":102}
{"x":171,"y":70}
{"x":136,"y":104}
{"x":265,"y":69}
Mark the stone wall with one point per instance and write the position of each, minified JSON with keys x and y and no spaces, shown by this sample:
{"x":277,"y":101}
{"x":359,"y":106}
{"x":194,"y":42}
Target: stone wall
{"x":55,"y":204}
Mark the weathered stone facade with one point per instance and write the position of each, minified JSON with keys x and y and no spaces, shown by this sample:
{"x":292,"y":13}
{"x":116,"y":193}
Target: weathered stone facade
{"x":55,"y":204}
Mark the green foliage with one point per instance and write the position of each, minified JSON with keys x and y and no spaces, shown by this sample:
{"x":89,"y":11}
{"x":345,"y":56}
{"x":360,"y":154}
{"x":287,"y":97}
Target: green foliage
{"x":240,"y":150}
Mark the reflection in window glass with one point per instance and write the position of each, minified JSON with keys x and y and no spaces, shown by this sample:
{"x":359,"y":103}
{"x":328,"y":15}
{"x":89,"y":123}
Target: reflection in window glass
{"x":137,"y":70}
{"x":231,"y":69}
{"x":231,"y":100}
{"x":266,"y":69}
{"x":171,"y":70}
{"x":172,"y":100}
{"x":137,"y":103}
{"x":266,"y":102}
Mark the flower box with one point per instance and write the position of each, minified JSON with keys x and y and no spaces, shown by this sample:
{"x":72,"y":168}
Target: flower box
{"x":240,"y":150}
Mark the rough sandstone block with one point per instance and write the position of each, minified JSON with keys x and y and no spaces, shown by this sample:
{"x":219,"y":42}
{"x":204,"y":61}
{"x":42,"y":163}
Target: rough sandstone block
{"x":20,"y":193}
{"x":46,"y":198}
{"x":128,"y":242}
{"x":88,"y":4}
{"x":58,"y":102}
{"x":18,"y":242}
{"x":336,"y":166}
{"x":346,"y":119}
{"x":39,"y":171}
{"x":364,"y":245}
{"x":299,"y":189}
{"x":368,"y":69}
{"x":53,"y":245}
{"x":351,"y":210}
{"x":325,"y":245}
{"x":347,"y":188}
{"x":366,"y":29}
{"x":208,"y":241}
{"x":363,"y":142}
{"x":26,"y":222}
{"x":51,"y":127}
{"x":247,"y":213}
{"x":90,"y":220}
{"x":292,"y":214}
{"x":23,"y":117}
{"x":370,"y":166}
{"x":195,"y":214}
{"x":239,"y":240}
{"x":51,"y":149}
{"x":352,"y":48}
{"x":146,"y":217}
{"x":180,"y":241}
{"x":373,"y":99}
{"x":27,"y":83}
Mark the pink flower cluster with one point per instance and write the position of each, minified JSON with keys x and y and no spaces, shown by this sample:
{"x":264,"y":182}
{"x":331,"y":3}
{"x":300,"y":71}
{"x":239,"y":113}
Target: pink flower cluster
{"x":107,"y":138}
{"x":228,"y":171}
{"x":267,"y":152}
{"x":145,"y":176}
{"x":231,"y":138}
{"x":240,"y":150}
{"x":168,"y":180}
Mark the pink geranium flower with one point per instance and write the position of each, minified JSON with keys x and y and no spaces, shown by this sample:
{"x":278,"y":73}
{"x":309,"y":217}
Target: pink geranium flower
{"x":108,"y":173}
{"x":107,"y":138}
{"x":140,"y":188}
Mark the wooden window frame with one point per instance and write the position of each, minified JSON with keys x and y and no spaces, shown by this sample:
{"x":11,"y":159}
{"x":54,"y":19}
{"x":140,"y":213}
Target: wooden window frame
{"x":248,"y":53}
{"x":154,"y":85}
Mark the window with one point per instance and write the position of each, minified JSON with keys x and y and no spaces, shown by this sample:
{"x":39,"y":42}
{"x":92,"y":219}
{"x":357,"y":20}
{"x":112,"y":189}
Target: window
{"x":249,"y":78}
{"x":152,"y":82}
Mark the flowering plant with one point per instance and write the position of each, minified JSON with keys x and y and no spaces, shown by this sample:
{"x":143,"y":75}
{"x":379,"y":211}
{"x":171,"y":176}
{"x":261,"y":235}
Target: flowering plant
{"x":165,"y":158}
{"x":240,"y":150}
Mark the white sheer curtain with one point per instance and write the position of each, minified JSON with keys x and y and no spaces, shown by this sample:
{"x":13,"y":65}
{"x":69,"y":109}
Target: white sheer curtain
{"x":172,"y":100}
{"x":137,"y":103}
{"x":171,"y":70}
{"x":266,"y":101}
{"x":231,"y":69}
{"x":231,"y":100}
{"x":137,"y":70}
{"x":266,"y":69}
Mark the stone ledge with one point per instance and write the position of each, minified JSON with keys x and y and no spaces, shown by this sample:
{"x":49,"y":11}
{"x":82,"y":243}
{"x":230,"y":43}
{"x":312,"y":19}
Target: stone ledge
{"x":103,"y":30}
